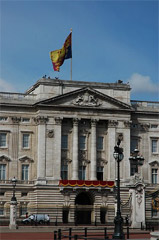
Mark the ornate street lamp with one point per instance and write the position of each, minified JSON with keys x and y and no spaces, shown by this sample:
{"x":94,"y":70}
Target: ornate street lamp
{"x":13,"y":207}
{"x":118,"y":220}
{"x":135,"y":160}
{"x":14,"y":181}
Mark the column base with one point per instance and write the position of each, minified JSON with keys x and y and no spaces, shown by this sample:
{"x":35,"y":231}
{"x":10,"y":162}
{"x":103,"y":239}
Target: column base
{"x":13,"y":226}
{"x":40,"y":181}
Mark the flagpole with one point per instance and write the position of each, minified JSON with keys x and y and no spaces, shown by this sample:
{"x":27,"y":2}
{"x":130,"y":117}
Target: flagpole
{"x":71,"y":57}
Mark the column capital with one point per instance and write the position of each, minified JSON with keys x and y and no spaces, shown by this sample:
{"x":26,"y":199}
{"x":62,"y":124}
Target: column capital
{"x":41,"y":120}
{"x":127,"y":124}
{"x":94,"y":122}
{"x":112,"y":123}
{"x":58,"y":120}
{"x":76,"y":121}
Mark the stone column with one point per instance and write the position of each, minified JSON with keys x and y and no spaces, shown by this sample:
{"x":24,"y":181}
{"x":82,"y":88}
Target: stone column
{"x":13,"y":215}
{"x":75,"y":150}
{"x":126,"y":144}
{"x":57,"y":155}
{"x":93,"y":150}
{"x":111,"y":143}
{"x":41,"y":149}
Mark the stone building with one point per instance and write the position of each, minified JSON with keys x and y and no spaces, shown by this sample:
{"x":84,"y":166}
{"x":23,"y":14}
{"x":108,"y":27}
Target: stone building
{"x":58,"y":140}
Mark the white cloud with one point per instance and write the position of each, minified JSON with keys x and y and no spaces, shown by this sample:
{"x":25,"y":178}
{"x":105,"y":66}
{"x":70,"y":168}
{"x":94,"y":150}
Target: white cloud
{"x":6,"y":87}
{"x":140,"y":83}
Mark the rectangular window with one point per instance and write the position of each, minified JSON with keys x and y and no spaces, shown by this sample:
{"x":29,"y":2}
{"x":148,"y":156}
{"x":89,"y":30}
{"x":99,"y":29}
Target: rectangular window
{"x":100,"y":143}
{"x":64,"y":143}
{"x":82,"y":142}
{"x":23,"y":210}
{"x":154,"y":176}
{"x":2,"y":171}
{"x":1,"y":211}
{"x":133,"y":144}
{"x":25,"y":140}
{"x":3,"y":139}
{"x":64,"y":172}
{"x":25,"y":172}
{"x":154,"y":125}
{"x":154,"y":145}
{"x":3,"y":119}
{"x":82,"y":172}
{"x":25,"y":120}
{"x":100,"y":173}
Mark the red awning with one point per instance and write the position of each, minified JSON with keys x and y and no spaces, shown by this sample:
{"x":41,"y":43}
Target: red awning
{"x":87,"y":183}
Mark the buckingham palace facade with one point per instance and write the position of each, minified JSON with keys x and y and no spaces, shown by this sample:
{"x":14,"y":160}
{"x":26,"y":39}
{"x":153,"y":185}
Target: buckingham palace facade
{"x":57,"y":139}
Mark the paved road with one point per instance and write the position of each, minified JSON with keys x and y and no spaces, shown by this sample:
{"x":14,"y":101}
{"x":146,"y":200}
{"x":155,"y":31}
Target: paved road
{"x":50,"y":236}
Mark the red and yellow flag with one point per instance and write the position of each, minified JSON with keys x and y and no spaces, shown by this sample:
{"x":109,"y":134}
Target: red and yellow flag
{"x":58,"y":56}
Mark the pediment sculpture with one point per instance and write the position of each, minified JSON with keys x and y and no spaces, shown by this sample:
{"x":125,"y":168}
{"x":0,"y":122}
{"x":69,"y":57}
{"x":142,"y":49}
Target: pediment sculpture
{"x":87,"y":100}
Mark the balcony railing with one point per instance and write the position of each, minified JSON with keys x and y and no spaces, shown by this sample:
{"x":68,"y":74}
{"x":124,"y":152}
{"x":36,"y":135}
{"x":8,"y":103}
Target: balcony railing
{"x":18,"y":182}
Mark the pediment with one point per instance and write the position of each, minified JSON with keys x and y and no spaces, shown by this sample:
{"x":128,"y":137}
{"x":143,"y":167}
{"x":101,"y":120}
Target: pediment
{"x":26,"y":159}
{"x":154,"y":163}
{"x":87,"y":98}
{"x":4,"y":158}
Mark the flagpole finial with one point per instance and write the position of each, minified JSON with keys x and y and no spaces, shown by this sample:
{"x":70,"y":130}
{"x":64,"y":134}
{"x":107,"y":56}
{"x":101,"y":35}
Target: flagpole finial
{"x":71,"y":29}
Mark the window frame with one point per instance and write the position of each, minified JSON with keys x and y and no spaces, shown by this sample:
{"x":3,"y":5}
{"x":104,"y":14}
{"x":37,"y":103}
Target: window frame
{"x":157,"y":145}
{"x":23,"y":140}
{"x":100,"y":144}
{"x":6,"y":139}
{"x":154,"y":175}
{"x":4,"y":172}
{"x":82,"y":144}
{"x":23,"y":174}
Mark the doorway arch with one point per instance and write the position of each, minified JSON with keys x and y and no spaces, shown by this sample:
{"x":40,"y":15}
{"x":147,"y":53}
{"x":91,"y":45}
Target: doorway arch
{"x":83,"y":208}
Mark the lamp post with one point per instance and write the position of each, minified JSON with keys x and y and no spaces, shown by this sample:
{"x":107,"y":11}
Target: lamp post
{"x":13,"y":207}
{"x":136,"y":160}
{"x":118,"y":220}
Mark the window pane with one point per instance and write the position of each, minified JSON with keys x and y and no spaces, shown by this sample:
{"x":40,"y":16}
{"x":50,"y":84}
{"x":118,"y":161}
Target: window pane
{"x":2,"y":172}
{"x":25,"y":169}
{"x":154,"y":176}
{"x":82,"y":142}
{"x":64,"y":143}
{"x":64,"y":172}
{"x":82,"y":172}
{"x":154,"y":146}
{"x":99,"y":173}
{"x":3,"y":137}
{"x":100,"y":143}
{"x":134,"y":144}
{"x":25,"y":140}
{"x":1,"y":211}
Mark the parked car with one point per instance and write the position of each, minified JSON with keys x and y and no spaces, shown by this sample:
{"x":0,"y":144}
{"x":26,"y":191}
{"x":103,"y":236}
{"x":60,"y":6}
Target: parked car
{"x":37,"y":218}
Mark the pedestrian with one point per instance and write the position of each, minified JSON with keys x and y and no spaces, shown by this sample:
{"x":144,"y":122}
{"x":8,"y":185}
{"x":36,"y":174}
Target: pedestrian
{"x":48,"y":219}
{"x":32,"y":219}
{"x":26,"y":214}
{"x":127,"y":220}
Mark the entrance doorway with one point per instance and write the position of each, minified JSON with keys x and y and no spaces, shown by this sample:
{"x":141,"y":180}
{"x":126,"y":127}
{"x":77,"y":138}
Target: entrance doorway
{"x":83,"y":208}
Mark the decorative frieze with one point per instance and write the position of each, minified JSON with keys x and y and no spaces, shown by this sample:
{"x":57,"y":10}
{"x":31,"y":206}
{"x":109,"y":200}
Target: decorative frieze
{"x":87,"y":99}
{"x":41,"y":120}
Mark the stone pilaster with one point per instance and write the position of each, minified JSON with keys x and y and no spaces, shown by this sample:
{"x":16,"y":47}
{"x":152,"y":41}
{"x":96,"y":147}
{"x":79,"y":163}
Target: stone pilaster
{"x":41,"y":151}
{"x":111,"y":143}
{"x":93,"y":150}
{"x":57,"y":156}
{"x":75,"y":150}
{"x":126,"y":145}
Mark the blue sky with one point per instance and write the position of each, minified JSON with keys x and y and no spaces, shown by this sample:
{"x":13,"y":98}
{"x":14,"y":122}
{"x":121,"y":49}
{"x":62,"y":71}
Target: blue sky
{"x":111,"y":40}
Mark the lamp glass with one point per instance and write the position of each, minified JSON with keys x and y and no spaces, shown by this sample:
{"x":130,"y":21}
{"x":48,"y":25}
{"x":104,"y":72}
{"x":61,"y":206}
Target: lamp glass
{"x":115,"y":155}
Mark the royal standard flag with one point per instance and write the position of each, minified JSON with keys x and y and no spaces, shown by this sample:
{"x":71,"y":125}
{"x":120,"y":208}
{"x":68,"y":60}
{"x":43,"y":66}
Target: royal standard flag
{"x":58,"y":56}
